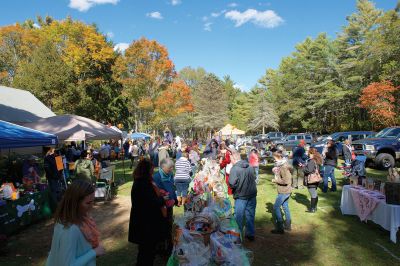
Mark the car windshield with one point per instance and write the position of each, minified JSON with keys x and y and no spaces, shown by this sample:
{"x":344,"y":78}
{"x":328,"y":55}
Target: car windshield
{"x":388,"y":133}
{"x":334,"y":135}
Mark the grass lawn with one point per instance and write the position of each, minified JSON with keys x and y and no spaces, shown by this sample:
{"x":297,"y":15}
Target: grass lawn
{"x":324,"y":238}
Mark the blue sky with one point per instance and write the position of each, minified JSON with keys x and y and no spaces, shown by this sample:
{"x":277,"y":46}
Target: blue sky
{"x":237,"y":38}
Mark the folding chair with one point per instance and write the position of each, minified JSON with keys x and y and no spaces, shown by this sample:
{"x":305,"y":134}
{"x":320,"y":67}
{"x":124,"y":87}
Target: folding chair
{"x":104,"y":183}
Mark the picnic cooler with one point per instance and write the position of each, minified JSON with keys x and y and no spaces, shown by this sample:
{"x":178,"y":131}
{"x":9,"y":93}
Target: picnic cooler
{"x":392,"y":193}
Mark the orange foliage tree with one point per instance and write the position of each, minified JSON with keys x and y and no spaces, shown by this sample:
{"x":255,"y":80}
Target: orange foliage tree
{"x":16,"y":44}
{"x":378,"y":98}
{"x":173,"y":101}
{"x":145,"y":71}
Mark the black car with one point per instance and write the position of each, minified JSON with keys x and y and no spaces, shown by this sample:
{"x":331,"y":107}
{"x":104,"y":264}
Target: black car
{"x":292,"y":140}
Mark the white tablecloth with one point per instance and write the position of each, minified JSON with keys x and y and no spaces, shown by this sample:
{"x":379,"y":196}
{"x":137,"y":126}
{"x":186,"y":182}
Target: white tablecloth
{"x":386,"y":215}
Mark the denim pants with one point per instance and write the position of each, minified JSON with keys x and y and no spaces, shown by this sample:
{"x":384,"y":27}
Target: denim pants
{"x":246,"y":209}
{"x":282,"y":200}
{"x":329,"y":172}
{"x":256,"y":169}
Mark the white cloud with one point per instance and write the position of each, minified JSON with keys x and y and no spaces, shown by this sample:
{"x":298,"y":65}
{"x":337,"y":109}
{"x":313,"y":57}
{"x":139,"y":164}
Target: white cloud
{"x":217,"y":14}
{"x":207,"y":26}
{"x":205,"y":18}
{"x":265,"y":19}
{"x":110,"y":34}
{"x":155,"y":15}
{"x":85,"y":5}
{"x":35,"y":25}
{"x":121,"y":46}
{"x":233,"y":5}
{"x":175,"y":2}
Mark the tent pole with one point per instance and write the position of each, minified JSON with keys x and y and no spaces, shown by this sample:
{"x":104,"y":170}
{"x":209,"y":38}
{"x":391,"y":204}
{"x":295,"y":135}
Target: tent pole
{"x":123,"y":158}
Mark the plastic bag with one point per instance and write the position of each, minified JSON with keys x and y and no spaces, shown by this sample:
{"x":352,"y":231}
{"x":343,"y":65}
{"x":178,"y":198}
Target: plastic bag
{"x":191,"y":250}
{"x":225,"y":252}
{"x":222,"y":207}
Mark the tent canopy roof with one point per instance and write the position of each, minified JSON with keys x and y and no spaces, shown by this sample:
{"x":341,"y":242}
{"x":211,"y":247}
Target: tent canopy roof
{"x":231,"y":130}
{"x":20,"y":106}
{"x":139,"y":135}
{"x":74,"y":127}
{"x":15,"y":136}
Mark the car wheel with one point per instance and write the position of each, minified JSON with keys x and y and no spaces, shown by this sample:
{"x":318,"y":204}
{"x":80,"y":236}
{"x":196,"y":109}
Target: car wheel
{"x":384,"y":161}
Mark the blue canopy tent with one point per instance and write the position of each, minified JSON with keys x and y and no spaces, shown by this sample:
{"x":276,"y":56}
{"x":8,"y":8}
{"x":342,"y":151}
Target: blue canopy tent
{"x":14,"y":136}
{"x":138,"y":135}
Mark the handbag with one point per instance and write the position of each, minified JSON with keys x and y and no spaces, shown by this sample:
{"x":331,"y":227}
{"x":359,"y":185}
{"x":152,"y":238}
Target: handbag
{"x":314,"y":177}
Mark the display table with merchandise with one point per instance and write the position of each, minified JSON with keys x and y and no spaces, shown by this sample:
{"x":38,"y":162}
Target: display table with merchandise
{"x":29,"y":208}
{"x":207,"y":233}
{"x":371,"y":205}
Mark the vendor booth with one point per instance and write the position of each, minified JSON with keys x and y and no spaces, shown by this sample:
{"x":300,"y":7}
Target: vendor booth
{"x":230,"y":131}
{"x":28,"y":202}
{"x":138,"y":135}
{"x":78,"y":128}
{"x":74,"y":127}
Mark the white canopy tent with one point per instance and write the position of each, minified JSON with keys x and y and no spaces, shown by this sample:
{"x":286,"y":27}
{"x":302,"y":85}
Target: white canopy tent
{"x":230,"y":130}
{"x":74,"y":128}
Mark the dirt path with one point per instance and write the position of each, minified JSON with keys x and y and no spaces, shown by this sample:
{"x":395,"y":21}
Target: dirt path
{"x":30,"y":246}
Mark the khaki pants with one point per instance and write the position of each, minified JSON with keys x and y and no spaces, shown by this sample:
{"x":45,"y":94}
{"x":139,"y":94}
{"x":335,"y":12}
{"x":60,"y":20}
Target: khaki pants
{"x":298,"y":177}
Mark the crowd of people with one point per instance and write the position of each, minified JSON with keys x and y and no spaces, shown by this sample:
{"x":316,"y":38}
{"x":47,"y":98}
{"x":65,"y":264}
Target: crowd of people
{"x":155,"y":192}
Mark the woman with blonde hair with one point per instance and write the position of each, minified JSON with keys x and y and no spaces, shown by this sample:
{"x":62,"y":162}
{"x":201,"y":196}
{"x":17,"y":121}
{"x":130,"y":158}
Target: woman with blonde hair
{"x":312,"y":168}
{"x":283,"y":179}
{"x":75,"y":238}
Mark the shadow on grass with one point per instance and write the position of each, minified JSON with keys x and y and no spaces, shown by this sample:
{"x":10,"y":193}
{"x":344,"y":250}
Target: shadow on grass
{"x":301,"y":198}
{"x":361,"y":243}
{"x":291,"y":248}
{"x":270,"y":209}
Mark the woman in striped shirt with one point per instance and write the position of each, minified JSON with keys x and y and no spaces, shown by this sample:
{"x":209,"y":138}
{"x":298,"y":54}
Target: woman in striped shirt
{"x":182,"y":178}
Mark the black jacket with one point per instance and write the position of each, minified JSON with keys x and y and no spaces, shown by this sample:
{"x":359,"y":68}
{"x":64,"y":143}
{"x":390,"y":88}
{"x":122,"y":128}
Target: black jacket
{"x":50,"y":167}
{"x":146,"y":224}
{"x":331,"y":157}
{"x":346,"y":153}
{"x":242,"y":180}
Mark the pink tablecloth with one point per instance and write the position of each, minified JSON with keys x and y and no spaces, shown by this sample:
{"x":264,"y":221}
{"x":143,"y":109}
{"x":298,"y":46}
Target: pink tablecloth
{"x":365,"y":201}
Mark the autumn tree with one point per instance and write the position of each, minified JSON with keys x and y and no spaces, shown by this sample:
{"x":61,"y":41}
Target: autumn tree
{"x":88,"y":54}
{"x":16,"y":44}
{"x":379,"y":99}
{"x":173,"y":101}
{"x":54,"y":86}
{"x":145,"y":71}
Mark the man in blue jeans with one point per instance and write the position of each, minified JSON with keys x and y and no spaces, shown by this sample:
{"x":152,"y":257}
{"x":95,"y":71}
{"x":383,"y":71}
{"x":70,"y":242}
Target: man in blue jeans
{"x":330,"y":163}
{"x":242,"y":180}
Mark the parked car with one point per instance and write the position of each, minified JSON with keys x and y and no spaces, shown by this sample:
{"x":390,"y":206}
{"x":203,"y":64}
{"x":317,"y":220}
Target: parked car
{"x":383,"y":149}
{"x":270,"y":136}
{"x":293,"y":140}
{"x":340,"y":137}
